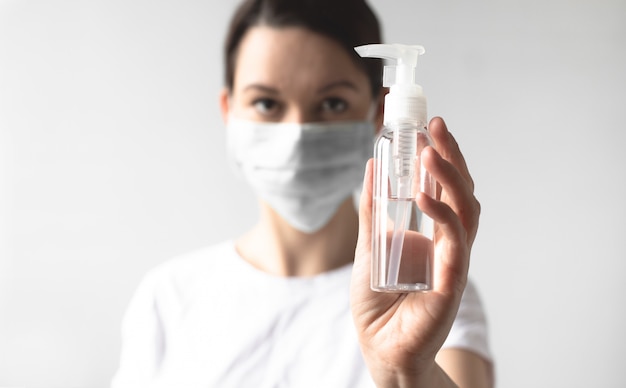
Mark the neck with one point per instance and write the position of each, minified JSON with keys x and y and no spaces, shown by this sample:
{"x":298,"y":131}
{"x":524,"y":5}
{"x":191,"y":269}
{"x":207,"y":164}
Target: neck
{"x":276,"y":247}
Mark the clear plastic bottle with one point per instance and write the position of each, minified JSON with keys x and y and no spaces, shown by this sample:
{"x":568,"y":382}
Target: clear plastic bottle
{"x":402,"y":235}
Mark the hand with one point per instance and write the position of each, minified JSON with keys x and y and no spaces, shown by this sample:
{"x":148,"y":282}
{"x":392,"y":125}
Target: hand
{"x":400,"y":334}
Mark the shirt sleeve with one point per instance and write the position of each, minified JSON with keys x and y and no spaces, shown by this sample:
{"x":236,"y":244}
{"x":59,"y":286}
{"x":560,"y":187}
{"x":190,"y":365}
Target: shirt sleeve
{"x":142,"y":338}
{"x":469,"y":330}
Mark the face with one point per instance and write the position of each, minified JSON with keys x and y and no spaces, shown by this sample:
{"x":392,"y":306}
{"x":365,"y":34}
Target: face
{"x":294,"y":75}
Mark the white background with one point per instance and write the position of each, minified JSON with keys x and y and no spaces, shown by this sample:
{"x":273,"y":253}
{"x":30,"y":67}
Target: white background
{"x":112,"y":160}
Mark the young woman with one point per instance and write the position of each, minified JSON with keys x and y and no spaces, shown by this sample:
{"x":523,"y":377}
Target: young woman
{"x":288,"y":303}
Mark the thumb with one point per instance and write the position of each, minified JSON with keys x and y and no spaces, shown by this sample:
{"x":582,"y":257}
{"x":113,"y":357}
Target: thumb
{"x":365,"y":215}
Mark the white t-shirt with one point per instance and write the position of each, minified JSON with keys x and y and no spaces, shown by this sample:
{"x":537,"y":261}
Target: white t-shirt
{"x":210,"y":319}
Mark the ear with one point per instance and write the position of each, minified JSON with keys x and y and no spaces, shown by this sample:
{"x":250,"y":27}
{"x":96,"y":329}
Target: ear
{"x":225,"y":104}
{"x":380,"y":109}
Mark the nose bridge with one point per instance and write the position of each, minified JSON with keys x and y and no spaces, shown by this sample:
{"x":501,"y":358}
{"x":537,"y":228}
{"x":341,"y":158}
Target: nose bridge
{"x":298,"y":112}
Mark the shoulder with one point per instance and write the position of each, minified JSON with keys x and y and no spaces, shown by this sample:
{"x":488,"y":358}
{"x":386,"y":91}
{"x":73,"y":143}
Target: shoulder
{"x":157,"y":305}
{"x":179,"y":278}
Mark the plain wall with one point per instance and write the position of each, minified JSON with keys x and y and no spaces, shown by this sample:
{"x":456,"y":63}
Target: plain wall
{"x":112,"y":161}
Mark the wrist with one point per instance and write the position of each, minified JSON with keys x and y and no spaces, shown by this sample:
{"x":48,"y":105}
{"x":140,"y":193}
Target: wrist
{"x":429,"y":377}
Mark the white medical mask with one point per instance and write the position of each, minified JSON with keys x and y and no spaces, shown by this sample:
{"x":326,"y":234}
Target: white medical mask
{"x":303,"y":171}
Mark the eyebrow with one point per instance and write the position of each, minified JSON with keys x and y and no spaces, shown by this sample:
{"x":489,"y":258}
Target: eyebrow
{"x":262,"y":88}
{"x":338,"y":84}
{"x":323,"y":89}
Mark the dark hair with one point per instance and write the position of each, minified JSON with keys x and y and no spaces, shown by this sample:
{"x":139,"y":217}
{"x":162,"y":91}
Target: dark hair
{"x":349,"y":22}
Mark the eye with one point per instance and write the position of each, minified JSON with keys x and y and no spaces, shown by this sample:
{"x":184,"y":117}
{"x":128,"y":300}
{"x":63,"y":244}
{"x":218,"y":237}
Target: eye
{"x":265,"y":106}
{"x":334,"y":105}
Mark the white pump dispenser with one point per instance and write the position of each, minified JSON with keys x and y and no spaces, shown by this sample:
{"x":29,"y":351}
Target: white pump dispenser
{"x":405,"y":100}
{"x":402,"y":241}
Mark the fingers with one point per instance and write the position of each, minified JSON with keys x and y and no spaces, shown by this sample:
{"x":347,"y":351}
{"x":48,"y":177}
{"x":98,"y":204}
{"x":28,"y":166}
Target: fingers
{"x":453,"y":262}
{"x":443,"y":215}
{"x":362,"y":257}
{"x":449,"y":169}
{"x":457,"y":191}
{"x":365,"y":202}
{"x":448,"y":148}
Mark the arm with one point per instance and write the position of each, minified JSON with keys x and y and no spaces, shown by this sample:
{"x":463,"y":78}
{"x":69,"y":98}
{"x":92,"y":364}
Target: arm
{"x":142,"y":338}
{"x":465,"y":355}
{"x":465,"y":368}
{"x":401,"y":334}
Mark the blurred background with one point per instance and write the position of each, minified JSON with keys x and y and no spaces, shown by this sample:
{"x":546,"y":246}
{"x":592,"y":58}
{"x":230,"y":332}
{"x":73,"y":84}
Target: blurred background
{"x":112,"y":160}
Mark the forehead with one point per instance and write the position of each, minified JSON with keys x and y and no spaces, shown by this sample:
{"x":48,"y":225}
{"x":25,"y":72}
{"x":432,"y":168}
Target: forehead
{"x":293,"y":57}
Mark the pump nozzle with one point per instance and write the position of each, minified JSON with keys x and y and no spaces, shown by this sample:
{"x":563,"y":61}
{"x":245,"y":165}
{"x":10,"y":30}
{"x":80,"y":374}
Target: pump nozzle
{"x":403,"y":73}
{"x":405,"y":100}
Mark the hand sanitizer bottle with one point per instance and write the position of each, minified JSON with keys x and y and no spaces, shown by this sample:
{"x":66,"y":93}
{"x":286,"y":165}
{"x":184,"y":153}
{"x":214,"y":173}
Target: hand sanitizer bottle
{"x":402,"y":240}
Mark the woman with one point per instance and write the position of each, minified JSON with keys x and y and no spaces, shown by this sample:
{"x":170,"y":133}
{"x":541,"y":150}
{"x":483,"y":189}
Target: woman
{"x":288,"y":303}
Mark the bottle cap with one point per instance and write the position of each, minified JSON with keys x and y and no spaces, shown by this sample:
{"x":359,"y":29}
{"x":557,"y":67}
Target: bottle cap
{"x":405,"y":100}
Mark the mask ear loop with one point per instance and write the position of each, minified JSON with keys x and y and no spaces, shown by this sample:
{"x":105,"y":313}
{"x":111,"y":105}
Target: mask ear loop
{"x":371,"y":115}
